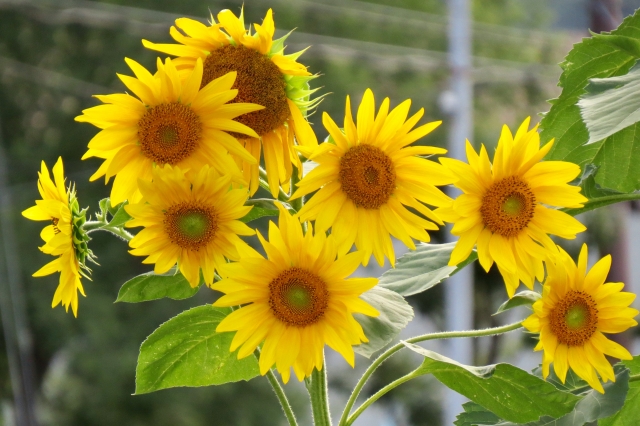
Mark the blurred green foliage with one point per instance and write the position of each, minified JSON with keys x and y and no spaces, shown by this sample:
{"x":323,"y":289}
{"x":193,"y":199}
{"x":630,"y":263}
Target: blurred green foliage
{"x":85,"y":366}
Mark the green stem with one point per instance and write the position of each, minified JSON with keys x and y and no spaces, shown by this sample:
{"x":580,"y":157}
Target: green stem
{"x":264,"y":183}
{"x":317,"y":387}
{"x":432,"y":336}
{"x":284,"y":402}
{"x":118,"y":232}
{"x":373,"y":398}
{"x":297,"y":203}
{"x":277,"y":389}
{"x":634,"y":378}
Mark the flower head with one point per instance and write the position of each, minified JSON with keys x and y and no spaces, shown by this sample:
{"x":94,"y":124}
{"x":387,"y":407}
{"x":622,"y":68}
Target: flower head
{"x":172,"y":121}
{"x":502,"y":209}
{"x":64,"y":238}
{"x":266,"y":76}
{"x":296,"y":301}
{"x":191,"y":219}
{"x":575,"y":310}
{"x":370,"y":177}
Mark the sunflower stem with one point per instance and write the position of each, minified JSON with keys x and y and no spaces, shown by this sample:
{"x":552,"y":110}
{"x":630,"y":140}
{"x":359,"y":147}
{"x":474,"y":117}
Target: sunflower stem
{"x":297,"y":203}
{"x":634,"y":378}
{"x":282,"y":397}
{"x":277,"y":389}
{"x":264,"y":183}
{"x":373,"y":398}
{"x":317,"y":387}
{"x":346,"y":420}
{"x":118,"y":231}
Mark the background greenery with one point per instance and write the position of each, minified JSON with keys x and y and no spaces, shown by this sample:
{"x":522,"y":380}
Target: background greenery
{"x":55,"y":54}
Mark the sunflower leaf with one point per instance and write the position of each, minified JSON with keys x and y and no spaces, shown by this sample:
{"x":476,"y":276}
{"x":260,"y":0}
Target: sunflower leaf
{"x":616,"y":155}
{"x":151,"y":286}
{"x":422,"y":268}
{"x":519,"y":299}
{"x":395,"y":314}
{"x":505,"y":390}
{"x":593,"y":406}
{"x":611,"y":104}
{"x":630,"y":412}
{"x":598,"y":196}
{"x":187,"y":351}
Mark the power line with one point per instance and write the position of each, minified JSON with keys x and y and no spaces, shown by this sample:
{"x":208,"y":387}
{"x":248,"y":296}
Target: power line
{"x":149,"y":23}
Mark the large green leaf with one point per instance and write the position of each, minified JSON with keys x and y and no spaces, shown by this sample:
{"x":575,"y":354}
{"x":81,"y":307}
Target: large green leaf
{"x":611,"y":104}
{"x":150,"y":286}
{"x":263,"y":207}
{"x":507,"y":391}
{"x":395,"y":314}
{"x":592,"y":405}
{"x":629,"y":415}
{"x":187,"y":351}
{"x":616,"y":155}
{"x":422,"y":268}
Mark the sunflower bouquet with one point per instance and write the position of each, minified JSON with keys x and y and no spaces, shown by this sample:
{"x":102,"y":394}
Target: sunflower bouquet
{"x":224,"y":118}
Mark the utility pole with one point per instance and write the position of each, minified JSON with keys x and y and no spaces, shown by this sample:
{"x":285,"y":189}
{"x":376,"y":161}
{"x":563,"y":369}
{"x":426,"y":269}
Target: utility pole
{"x":458,"y":290}
{"x":12,"y":310}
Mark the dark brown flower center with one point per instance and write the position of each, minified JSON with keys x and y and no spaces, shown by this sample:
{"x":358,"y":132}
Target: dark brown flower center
{"x":169,"y":133}
{"x":574,"y":319}
{"x":508,"y":206}
{"x":259,"y":81}
{"x":298,"y":297}
{"x":367,"y":176}
{"x":191,"y":225}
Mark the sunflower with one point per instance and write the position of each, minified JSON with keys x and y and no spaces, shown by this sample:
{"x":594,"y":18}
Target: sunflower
{"x":191,"y":219}
{"x":64,"y":238}
{"x":266,"y":76}
{"x":175,"y":121}
{"x":296,"y":301}
{"x":501,"y":208}
{"x":369,"y":177}
{"x":575,"y":310}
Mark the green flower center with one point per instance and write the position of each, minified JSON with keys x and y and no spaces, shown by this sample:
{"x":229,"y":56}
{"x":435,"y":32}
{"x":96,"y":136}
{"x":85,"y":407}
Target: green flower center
{"x":508,"y":206}
{"x":191,"y":225}
{"x":574,"y":319}
{"x":168,"y":136}
{"x":513,"y":205}
{"x":298,"y":297}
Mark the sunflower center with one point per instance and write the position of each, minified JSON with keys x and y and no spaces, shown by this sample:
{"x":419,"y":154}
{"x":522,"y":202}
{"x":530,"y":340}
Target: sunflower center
{"x":259,"y":81}
{"x":508,"y":206}
{"x":191,"y":225}
{"x":367,"y":176}
{"x":298,"y":297}
{"x":574,"y":319}
{"x":169,"y":133}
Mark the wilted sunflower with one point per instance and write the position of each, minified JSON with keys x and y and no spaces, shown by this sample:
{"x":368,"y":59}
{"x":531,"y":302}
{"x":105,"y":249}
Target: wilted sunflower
{"x":191,"y":220}
{"x":502,"y":208}
{"x":296,"y":301}
{"x":369,"y":177}
{"x":575,"y":309}
{"x":174,"y":122}
{"x":266,"y":76}
{"x":64,"y":238}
